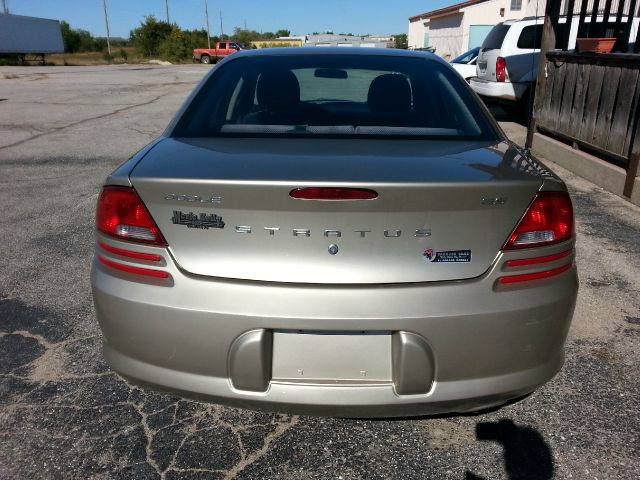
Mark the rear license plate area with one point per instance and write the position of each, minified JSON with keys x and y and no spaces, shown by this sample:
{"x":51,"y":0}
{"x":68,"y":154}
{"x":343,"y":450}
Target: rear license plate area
{"x":331,"y":357}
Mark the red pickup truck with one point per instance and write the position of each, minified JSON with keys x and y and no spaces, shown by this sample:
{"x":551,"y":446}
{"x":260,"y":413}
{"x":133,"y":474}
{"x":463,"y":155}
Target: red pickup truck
{"x":212,"y":55}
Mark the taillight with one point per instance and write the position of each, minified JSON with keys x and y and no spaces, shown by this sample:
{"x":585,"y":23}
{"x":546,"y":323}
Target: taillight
{"x":501,"y":69}
{"x":548,"y":220}
{"x":121,"y":214}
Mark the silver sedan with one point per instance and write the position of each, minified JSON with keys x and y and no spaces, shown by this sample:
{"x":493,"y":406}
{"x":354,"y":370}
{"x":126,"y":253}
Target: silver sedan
{"x":335,"y":231}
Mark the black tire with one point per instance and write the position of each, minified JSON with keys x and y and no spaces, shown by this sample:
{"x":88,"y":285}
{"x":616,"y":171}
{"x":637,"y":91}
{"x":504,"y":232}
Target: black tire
{"x":206,"y":59}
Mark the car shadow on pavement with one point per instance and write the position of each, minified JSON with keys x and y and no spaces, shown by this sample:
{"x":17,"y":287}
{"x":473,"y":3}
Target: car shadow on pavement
{"x":526,"y":454}
{"x":502,"y":115}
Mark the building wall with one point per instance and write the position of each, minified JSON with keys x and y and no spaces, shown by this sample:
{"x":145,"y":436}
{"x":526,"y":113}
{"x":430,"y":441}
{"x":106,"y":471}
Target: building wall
{"x":488,"y":13}
{"x":415,"y":37}
{"x":445,"y":34}
{"x":537,"y":7}
{"x":452,"y":39}
{"x":276,"y":43}
{"x":331,"y":40}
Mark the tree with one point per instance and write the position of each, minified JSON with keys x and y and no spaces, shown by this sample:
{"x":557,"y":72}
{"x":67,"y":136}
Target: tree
{"x":70,"y":38}
{"x":87,"y":42}
{"x":100,"y":44}
{"x":400,"y":41}
{"x":76,"y":40}
{"x":245,"y":36}
{"x":176,"y":46}
{"x":149,"y":35}
{"x":198,"y":38}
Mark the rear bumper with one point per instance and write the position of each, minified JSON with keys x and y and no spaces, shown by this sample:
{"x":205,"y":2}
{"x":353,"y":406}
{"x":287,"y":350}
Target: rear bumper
{"x":460,"y":396}
{"x":505,"y":91}
{"x":481,"y":344}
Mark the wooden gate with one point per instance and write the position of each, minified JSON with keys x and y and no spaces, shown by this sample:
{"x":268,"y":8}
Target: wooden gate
{"x":592,"y":100}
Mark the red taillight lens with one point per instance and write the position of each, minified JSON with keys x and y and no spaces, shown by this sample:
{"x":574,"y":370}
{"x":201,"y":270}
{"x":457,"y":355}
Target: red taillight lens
{"x":121,"y":214}
{"x":501,"y":69}
{"x":537,"y":260}
{"x":150,"y":257}
{"x":548,"y":220}
{"x":320,"y":193}
{"x":527,"y":277}
{"x":131,"y":269}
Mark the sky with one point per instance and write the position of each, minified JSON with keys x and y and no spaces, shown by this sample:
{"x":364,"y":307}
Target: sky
{"x":299,"y":16}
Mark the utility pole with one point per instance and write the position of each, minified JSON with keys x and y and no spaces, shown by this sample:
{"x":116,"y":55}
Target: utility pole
{"x":166,"y":9}
{"x":4,"y":7}
{"x":221,"y":31}
{"x":106,"y":22}
{"x":206,"y":15}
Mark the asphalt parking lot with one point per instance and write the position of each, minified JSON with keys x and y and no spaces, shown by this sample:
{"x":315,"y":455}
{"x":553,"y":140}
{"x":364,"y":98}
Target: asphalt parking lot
{"x":64,"y":414}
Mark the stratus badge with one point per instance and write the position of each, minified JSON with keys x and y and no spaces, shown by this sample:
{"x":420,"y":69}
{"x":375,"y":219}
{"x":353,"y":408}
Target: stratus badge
{"x":203,"y":221}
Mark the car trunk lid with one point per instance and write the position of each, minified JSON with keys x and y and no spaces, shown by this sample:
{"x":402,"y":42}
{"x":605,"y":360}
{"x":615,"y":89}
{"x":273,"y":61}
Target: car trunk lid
{"x":443,"y":209}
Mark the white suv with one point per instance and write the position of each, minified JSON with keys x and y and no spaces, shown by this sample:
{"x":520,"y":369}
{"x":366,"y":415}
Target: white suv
{"x":507,"y":64}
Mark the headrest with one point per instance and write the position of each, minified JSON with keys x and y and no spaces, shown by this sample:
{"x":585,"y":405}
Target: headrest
{"x":278,"y":90}
{"x":389,"y":93}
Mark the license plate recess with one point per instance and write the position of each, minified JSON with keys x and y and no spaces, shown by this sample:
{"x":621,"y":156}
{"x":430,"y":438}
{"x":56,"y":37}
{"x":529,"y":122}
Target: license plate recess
{"x":331,"y":357}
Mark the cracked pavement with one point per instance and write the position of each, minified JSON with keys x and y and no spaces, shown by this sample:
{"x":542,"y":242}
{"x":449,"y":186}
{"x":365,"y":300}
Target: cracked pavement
{"x":64,"y":414}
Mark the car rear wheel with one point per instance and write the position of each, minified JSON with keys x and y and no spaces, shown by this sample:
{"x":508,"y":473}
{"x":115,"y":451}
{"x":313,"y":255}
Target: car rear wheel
{"x":205,"y":59}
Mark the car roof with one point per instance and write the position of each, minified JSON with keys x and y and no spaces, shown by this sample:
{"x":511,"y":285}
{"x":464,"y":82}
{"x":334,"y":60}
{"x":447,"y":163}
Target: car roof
{"x":527,"y":20}
{"x":335,"y":51}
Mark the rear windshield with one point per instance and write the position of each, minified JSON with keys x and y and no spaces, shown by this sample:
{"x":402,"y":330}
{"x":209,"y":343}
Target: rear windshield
{"x":493,"y":41}
{"x":334,"y":95}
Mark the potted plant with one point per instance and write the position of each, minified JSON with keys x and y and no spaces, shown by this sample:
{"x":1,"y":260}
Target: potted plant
{"x":595,"y":45}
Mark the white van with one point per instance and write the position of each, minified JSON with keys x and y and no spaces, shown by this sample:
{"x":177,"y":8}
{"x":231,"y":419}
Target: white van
{"x":507,"y":64}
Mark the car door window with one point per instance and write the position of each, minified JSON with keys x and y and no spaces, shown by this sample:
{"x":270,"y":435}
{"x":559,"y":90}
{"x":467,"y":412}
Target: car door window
{"x":530,"y":37}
